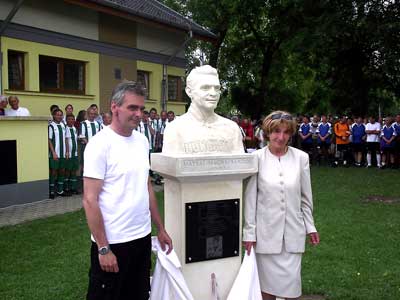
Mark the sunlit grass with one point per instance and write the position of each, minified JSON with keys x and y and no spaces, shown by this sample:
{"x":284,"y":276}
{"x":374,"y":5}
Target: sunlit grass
{"x":358,"y":257}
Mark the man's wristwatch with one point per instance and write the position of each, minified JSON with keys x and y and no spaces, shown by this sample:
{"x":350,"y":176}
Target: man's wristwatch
{"x":104,"y":250}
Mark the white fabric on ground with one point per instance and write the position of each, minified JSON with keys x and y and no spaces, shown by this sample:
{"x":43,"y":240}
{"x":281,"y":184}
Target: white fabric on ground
{"x":168,"y":282}
{"x":247,"y":284}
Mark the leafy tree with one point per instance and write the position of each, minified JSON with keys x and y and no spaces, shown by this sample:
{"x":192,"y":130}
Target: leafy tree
{"x":338,"y":56}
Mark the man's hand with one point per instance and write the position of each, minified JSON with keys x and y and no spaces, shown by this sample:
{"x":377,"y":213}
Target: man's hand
{"x":108,"y":262}
{"x":164,"y":239}
{"x":55,"y":156}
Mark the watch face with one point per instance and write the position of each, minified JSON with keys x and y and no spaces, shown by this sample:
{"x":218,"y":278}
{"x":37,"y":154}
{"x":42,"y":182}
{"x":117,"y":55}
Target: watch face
{"x":104,"y":250}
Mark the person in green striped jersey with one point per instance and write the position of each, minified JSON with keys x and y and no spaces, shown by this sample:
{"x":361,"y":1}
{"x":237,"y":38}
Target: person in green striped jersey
{"x":58,"y":153}
{"x":72,"y":164}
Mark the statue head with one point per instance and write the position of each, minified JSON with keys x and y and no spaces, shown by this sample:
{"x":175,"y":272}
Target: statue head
{"x":203,"y":88}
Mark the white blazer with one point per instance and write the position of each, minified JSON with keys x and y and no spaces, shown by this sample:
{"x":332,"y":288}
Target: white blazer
{"x":278,"y":202}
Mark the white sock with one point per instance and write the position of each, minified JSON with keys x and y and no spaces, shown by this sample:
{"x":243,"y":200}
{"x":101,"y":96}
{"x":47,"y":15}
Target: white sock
{"x":378,"y":159}
{"x":369,"y":159}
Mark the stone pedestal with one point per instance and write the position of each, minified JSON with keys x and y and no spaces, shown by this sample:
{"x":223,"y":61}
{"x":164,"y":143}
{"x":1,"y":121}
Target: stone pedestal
{"x":194,"y":182}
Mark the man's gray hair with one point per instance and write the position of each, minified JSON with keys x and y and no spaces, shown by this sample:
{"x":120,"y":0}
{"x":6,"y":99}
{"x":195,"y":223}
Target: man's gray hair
{"x":118,"y":93}
{"x":203,"y":70}
{"x":3,"y":98}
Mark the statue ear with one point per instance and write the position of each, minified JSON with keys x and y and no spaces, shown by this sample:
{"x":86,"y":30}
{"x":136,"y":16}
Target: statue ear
{"x":188,"y":91}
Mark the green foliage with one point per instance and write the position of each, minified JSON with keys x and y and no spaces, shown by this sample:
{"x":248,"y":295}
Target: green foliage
{"x":304,"y":56}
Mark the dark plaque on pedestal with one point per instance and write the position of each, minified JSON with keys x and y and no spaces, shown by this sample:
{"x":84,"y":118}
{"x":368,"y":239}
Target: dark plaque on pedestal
{"x":212,"y":230}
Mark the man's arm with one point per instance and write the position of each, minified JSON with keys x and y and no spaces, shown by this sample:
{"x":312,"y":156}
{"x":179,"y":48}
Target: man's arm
{"x":92,"y":188}
{"x":53,"y":152}
{"x":162,"y":235}
{"x":67,"y":154}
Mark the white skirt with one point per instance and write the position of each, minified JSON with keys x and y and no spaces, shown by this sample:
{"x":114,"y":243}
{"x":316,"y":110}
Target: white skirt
{"x":280,"y":274}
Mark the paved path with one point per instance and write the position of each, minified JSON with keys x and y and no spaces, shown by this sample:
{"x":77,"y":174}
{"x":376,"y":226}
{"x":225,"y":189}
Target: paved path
{"x":17,"y":214}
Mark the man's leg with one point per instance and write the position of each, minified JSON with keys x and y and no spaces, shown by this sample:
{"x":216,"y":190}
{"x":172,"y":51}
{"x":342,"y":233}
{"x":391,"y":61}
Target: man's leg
{"x":369,"y":156}
{"x":107,"y":285}
{"x":136,"y":284}
{"x":378,"y":155}
{"x":53,"y":165}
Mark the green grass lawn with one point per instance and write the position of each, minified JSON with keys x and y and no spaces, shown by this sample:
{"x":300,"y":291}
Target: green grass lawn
{"x":359,"y":255}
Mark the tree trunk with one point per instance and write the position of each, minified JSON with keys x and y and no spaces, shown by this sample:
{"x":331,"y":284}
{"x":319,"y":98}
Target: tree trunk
{"x":214,"y":52}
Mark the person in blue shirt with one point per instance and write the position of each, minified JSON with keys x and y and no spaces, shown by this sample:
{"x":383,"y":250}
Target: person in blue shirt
{"x":358,"y":140}
{"x":305,"y":134}
{"x":396,"y":127}
{"x":324,"y":132}
{"x":388,"y":135}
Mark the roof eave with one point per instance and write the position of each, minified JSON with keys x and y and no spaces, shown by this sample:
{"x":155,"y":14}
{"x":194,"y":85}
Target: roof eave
{"x":113,"y":9}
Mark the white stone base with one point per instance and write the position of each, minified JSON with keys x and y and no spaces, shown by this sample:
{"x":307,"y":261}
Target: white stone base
{"x":198,"y":179}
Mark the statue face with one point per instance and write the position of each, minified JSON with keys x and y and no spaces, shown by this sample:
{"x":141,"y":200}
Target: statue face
{"x":205,"y":92}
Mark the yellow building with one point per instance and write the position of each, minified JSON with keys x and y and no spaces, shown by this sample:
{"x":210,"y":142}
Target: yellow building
{"x":75,"y":51}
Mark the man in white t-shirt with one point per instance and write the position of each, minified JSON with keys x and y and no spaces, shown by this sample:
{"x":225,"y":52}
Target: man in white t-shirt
{"x":16,"y":110}
{"x":119,"y":202}
{"x":373,"y":130}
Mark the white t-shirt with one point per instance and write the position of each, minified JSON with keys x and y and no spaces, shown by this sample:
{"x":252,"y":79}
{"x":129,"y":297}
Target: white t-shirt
{"x":372,"y":137}
{"x":123,"y":164}
{"x":58,"y":133}
{"x":20,"y":112}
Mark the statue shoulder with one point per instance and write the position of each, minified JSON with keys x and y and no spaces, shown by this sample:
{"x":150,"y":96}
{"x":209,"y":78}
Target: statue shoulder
{"x":227,"y":122}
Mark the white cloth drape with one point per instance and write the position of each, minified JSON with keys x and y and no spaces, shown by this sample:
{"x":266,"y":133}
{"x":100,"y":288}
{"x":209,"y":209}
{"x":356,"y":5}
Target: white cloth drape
{"x":247,"y":284}
{"x":168,"y":282}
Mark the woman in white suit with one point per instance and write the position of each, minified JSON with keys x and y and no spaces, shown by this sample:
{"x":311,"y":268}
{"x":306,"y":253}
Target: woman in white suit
{"x":278,"y":210}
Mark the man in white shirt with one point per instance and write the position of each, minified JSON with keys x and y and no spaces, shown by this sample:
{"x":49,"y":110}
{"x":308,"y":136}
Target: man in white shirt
{"x":16,"y":110}
{"x":373,"y":130}
{"x":120,"y":203}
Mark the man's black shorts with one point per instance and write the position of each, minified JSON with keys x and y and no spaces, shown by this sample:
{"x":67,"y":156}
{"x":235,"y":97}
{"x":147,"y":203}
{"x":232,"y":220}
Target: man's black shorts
{"x":342,"y":147}
{"x":324,"y":145}
{"x":358,"y":147}
{"x":133,"y":279}
{"x":388,"y":150}
{"x":373,"y":147}
{"x":306,"y":147}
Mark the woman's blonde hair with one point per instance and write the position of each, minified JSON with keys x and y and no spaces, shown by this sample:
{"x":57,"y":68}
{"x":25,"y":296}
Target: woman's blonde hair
{"x":275,"y":120}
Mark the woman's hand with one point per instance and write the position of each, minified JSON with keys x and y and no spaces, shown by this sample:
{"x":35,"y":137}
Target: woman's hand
{"x":314,"y":238}
{"x":248,"y":246}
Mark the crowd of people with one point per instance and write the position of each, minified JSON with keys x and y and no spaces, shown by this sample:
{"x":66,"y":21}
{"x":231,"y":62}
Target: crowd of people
{"x":69,"y":135}
{"x":337,"y":141}
{"x":328,"y":140}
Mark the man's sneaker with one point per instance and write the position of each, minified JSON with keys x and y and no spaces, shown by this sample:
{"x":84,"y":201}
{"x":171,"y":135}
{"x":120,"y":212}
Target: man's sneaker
{"x":62,"y":194}
{"x":368,"y":166}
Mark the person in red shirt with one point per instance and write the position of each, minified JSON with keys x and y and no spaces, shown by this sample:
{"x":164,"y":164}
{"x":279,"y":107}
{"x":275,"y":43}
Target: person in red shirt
{"x":249,"y":131}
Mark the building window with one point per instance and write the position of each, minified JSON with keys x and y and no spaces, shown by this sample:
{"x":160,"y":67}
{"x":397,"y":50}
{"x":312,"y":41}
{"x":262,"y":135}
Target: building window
{"x":59,"y":75}
{"x":16,"y":77}
{"x":174,"y":88}
{"x":143,"y":78}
